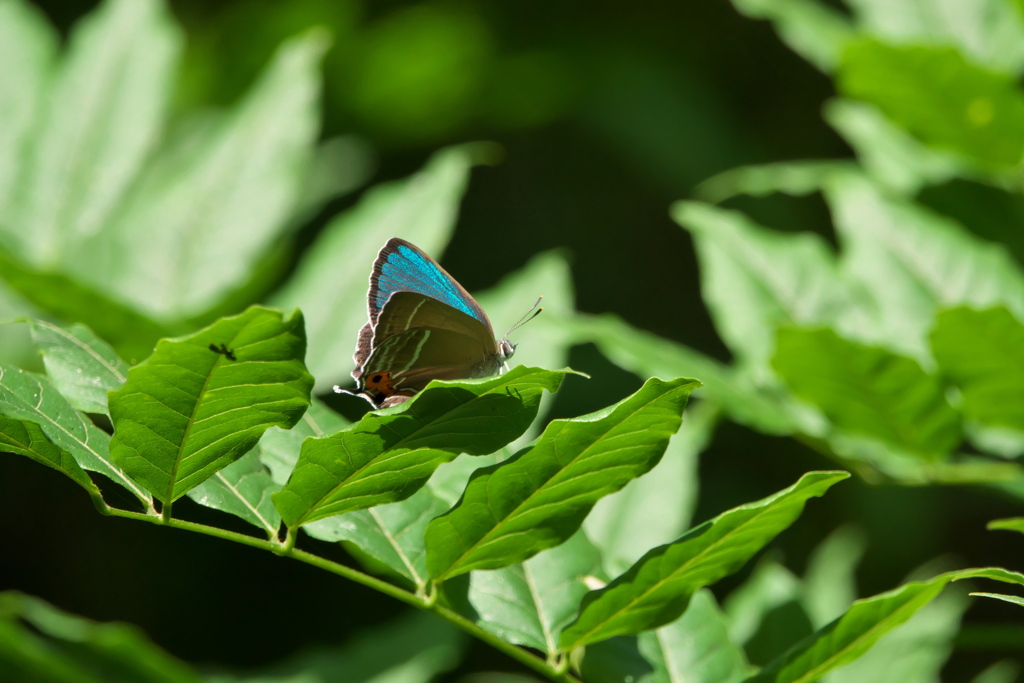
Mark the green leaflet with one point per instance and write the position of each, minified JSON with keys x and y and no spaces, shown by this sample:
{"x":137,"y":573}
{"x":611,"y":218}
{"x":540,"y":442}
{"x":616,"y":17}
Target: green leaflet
{"x":981,"y":352}
{"x":279,"y":448}
{"x":81,"y":366}
{"x":31,"y":397}
{"x":538,"y":499}
{"x":656,"y":590}
{"x":852,"y":634}
{"x":26,"y":438}
{"x":388,"y":455}
{"x":937,"y":95}
{"x":530,"y":603}
{"x":243,"y":489}
{"x":190,"y":410}
{"x":103,"y":115}
{"x":870,"y":391}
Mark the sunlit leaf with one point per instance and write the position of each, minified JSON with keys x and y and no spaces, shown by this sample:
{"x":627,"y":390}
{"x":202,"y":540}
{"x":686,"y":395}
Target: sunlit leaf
{"x":795,"y":178}
{"x":130,"y":332}
{"x":530,"y":603}
{"x":770,"y":590}
{"x":656,"y":508}
{"x":891,"y":155}
{"x":279,"y":448}
{"x":390,"y":534}
{"x":907,"y":262}
{"x":202,"y":216}
{"x":38,"y":642}
{"x":754,"y":280}
{"x":981,"y":352}
{"x":988,"y":32}
{"x":850,"y":636}
{"x":22,"y":437}
{"x":830,"y":584}
{"x":201,"y":402}
{"x":388,"y":455}
{"x":656,"y":590}
{"x":81,"y":366}
{"x":330,"y":283}
{"x":28,"y":40}
{"x":31,"y":397}
{"x":243,"y":489}
{"x":648,"y":355}
{"x":1012,"y":599}
{"x":695,"y":647}
{"x":1009,"y":524}
{"x":869,"y":391}
{"x":937,"y":95}
{"x":104,"y":115}
{"x":539,"y":498}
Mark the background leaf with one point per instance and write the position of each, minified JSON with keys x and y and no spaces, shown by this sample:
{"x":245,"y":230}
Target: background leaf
{"x":980,"y":352}
{"x":189,"y":411}
{"x":243,"y":489}
{"x":102,"y":118}
{"x":388,"y":455}
{"x":656,"y":590}
{"x":539,"y":498}
{"x":869,"y":391}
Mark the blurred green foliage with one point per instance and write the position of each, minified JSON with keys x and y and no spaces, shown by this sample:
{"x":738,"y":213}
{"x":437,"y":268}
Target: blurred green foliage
{"x":157,"y":172}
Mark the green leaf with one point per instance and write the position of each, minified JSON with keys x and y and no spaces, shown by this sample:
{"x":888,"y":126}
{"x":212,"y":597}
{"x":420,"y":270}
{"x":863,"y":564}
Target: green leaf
{"x":648,"y":355}
{"x":891,"y":155}
{"x":751,"y":609}
{"x":754,"y":280}
{"x":189,"y":410}
{"x":869,"y":391}
{"x":913,"y":652}
{"x":1003,"y":671}
{"x":1012,"y":599}
{"x":243,"y":489}
{"x":27,"y":438}
{"x":812,"y":29}
{"x":81,"y":366}
{"x":981,"y":352}
{"x":907,"y":262}
{"x":940,"y":97}
{"x":421,"y":209}
{"x":657,"y":507}
{"x":28,"y":40}
{"x":1009,"y":524}
{"x":131,"y":333}
{"x":38,"y":642}
{"x":695,"y":647}
{"x":540,"y":497}
{"x":530,"y":603}
{"x":279,"y":448}
{"x":850,"y":636}
{"x":104,"y":114}
{"x":830,"y":584}
{"x":795,"y":178}
{"x":388,"y":455}
{"x":390,"y":534}
{"x":31,"y":397}
{"x":656,"y":590}
{"x":208,"y":211}
{"x":987,"y":32}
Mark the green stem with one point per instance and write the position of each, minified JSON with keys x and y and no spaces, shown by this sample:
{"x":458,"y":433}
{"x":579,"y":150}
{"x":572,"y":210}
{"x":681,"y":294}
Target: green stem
{"x":515,"y":652}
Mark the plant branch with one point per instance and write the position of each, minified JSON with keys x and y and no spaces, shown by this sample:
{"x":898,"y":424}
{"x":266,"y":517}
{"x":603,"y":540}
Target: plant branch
{"x":514,"y":651}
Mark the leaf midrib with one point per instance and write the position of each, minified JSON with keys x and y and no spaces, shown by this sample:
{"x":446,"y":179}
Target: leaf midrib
{"x":515,"y":511}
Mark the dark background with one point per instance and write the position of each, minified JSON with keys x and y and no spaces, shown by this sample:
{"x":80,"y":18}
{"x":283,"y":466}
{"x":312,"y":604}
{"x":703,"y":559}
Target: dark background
{"x":607,"y":113}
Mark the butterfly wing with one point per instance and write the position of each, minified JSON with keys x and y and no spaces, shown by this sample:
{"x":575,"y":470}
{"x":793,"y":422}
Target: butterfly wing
{"x":417,"y":339}
{"x":403,"y":267}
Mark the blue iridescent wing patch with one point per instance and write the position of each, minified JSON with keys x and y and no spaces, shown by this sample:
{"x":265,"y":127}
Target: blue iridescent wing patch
{"x":402,"y":267}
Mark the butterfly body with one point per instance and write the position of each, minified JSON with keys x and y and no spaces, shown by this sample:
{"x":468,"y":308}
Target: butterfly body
{"x":423,"y":325}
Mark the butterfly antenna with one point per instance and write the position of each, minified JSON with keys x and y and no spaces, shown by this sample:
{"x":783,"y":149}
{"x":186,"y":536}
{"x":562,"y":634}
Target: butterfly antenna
{"x":530,"y":315}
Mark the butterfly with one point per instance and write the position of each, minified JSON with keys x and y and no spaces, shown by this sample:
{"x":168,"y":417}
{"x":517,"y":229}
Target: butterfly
{"x":423,"y":325}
